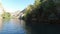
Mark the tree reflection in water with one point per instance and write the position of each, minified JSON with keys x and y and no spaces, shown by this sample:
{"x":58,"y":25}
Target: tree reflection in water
{"x":19,"y":26}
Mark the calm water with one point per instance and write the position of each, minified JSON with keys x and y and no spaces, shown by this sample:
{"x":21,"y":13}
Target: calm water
{"x":16,"y":26}
{"x":12,"y":26}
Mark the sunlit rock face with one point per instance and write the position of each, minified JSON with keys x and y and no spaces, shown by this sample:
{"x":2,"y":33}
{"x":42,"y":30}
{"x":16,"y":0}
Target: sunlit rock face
{"x":1,"y":9}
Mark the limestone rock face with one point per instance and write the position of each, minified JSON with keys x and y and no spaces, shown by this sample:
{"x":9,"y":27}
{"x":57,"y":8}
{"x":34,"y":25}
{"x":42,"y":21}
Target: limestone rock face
{"x":1,"y":9}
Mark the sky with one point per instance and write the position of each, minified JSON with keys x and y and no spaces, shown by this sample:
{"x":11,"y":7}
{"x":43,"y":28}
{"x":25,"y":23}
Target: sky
{"x":14,"y":5}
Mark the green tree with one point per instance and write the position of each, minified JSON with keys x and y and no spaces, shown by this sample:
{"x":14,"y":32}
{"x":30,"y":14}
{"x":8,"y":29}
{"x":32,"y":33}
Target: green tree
{"x":6,"y":15}
{"x":42,"y":9}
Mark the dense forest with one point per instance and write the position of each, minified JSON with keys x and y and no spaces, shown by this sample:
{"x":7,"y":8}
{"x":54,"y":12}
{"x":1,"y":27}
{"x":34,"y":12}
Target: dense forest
{"x":42,"y":11}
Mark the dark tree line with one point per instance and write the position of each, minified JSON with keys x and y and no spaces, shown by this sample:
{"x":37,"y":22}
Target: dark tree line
{"x":43,"y":11}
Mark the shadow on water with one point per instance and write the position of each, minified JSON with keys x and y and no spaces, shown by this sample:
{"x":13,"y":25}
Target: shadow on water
{"x":43,"y":28}
{"x":15,"y":26}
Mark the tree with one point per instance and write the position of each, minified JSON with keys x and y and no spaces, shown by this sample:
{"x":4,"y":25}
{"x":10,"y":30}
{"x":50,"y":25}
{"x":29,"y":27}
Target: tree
{"x":42,"y":9}
{"x":6,"y":15}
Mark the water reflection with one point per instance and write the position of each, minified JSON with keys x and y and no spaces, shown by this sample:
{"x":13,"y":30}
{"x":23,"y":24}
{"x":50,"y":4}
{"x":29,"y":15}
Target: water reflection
{"x":16,"y":26}
{"x":1,"y":24}
{"x":12,"y":26}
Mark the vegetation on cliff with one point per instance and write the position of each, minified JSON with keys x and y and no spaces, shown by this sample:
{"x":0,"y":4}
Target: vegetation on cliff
{"x":6,"y":15}
{"x":42,"y":11}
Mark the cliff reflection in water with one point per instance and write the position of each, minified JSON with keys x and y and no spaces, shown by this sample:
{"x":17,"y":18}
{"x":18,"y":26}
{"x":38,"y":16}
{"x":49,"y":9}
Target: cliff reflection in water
{"x":1,"y":24}
{"x":16,"y":26}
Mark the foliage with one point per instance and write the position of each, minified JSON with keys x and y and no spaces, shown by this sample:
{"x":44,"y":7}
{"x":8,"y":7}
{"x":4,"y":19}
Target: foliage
{"x":41,"y":10}
{"x":6,"y":15}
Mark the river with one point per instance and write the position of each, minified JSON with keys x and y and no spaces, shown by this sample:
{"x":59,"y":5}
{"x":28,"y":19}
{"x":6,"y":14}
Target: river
{"x":16,"y":26}
{"x":12,"y":26}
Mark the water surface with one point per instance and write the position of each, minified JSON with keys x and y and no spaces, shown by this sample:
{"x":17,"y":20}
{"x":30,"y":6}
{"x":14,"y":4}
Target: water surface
{"x":12,"y":26}
{"x":16,"y":26}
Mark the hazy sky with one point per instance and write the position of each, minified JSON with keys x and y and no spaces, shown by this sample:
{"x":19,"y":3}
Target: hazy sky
{"x":14,"y":5}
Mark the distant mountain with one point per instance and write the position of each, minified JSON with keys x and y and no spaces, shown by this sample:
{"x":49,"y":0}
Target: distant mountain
{"x":19,"y":13}
{"x":23,"y":11}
